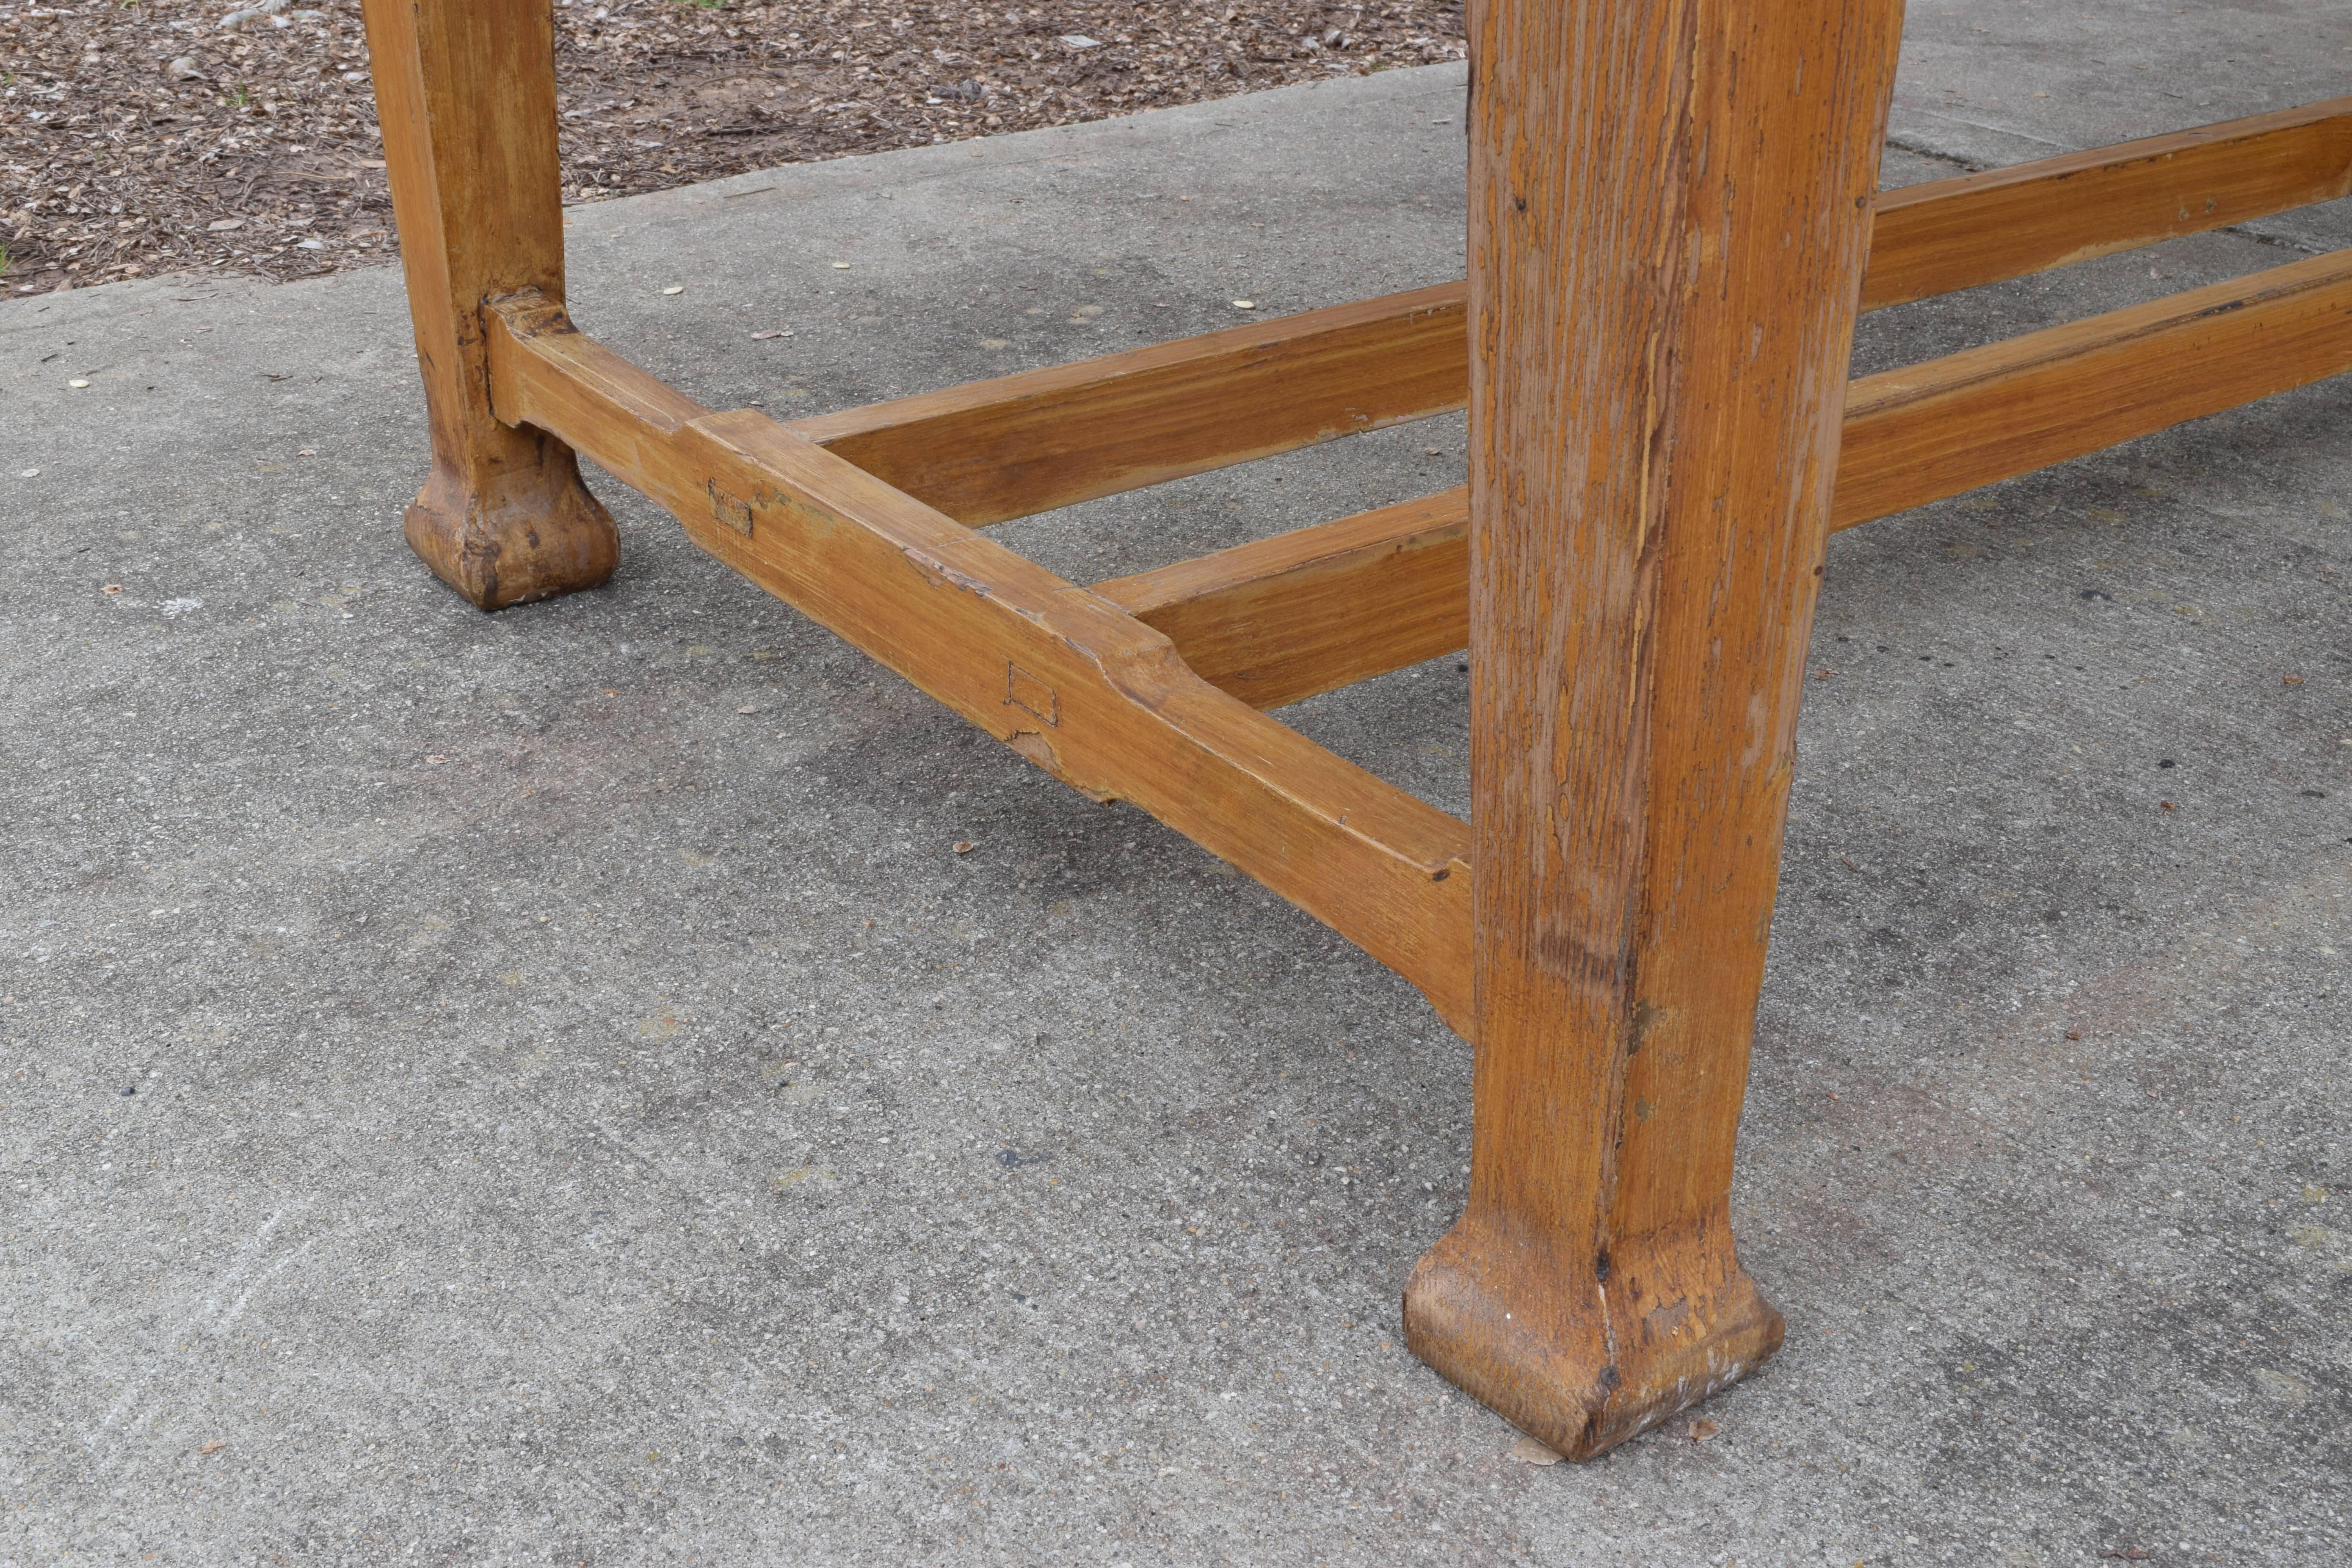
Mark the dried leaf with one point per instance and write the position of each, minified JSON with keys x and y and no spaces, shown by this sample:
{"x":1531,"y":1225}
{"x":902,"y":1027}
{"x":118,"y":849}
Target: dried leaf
{"x":1527,"y":1451}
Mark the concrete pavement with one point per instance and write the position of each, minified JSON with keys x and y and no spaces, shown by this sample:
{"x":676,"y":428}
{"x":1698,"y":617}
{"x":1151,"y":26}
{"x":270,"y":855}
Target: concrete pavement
{"x":543,"y":1089}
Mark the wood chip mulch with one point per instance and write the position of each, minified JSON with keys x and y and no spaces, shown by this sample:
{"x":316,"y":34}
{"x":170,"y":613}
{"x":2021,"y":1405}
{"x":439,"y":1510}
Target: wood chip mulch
{"x":155,"y":136}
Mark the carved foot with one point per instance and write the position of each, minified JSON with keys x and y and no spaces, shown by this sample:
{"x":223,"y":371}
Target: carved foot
{"x":520,"y":526}
{"x":1583,"y":1357}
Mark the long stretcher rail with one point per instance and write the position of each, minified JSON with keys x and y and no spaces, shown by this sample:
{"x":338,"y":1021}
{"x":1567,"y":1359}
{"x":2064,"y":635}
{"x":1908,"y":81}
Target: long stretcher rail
{"x":1145,"y":688}
{"x":1282,"y":618}
{"x":1069,"y":680}
{"x":994,"y":450}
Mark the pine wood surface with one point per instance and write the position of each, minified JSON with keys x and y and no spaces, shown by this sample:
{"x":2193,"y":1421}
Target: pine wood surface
{"x":992,"y":450}
{"x":1669,"y":221}
{"x":1931,"y":430}
{"x":1280,"y":619}
{"x":1947,"y":235}
{"x":1276,"y":620}
{"x":470,"y":151}
{"x":1069,"y":680}
{"x":1023,"y":444}
{"x":1672,"y":231}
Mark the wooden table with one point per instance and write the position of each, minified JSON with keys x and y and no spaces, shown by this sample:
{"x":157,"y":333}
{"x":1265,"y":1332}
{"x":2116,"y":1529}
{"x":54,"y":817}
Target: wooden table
{"x":1674,"y":220}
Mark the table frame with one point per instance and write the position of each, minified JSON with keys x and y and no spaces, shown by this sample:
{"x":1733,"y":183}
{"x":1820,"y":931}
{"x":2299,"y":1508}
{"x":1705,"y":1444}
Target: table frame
{"x":1674,"y":222}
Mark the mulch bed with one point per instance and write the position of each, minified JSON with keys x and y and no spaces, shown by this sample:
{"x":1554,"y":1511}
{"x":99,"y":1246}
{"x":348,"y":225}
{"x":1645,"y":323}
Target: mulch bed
{"x":145,"y":137}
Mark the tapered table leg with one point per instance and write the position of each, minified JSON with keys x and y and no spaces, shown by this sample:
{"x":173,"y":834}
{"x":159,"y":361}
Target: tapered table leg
{"x":466,"y":91}
{"x":1669,"y":215}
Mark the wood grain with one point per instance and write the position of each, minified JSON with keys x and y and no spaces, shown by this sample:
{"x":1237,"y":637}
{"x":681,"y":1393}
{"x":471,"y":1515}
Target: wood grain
{"x":466,"y":91}
{"x":1281,"y":619}
{"x":1975,"y":229}
{"x":994,"y":450}
{"x":1024,"y":444}
{"x":1284,"y":618}
{"x":1669,"y":218}
{"x":1931,"y":430}
{"x":1071,"y":681}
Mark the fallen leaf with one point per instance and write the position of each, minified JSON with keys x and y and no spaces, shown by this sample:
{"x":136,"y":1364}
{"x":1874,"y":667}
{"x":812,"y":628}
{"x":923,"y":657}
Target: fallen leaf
{"x":28,"y":473}
{"x":307,"y":452}
{"x":2290,"y":680}
{"x":763,"y":337}
{"x":112,"y":588}
{"x":2074,"y":1034}
{"x":215,"y":1446}
{"x":1702,"y":1429}
{"x":1080,"y":41}
{"x":1527,"y":1451}
{"x":2168,"y":805}
{"x":436,"y":758}
{"x":222,"y":225}
{"x":962,"y":846}
{"x":747,"y":709}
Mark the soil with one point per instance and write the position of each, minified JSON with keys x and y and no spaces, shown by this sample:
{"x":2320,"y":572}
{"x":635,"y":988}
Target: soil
{"x":145,"y":137}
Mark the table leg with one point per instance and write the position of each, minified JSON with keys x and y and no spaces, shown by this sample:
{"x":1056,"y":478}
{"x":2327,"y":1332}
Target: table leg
{"x":1669,"y":217}
{"x":466,"y":91}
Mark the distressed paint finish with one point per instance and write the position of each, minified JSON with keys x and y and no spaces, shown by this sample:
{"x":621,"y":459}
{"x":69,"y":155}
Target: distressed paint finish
{"x":1669,"y":224}
{"x":466,"y":90}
